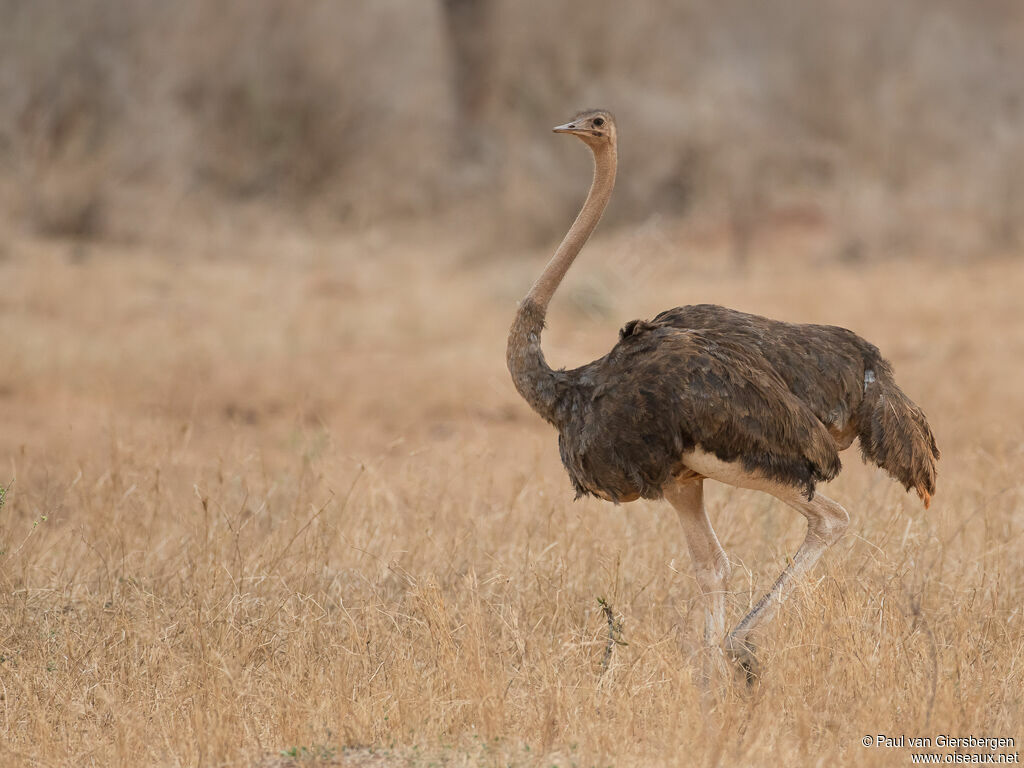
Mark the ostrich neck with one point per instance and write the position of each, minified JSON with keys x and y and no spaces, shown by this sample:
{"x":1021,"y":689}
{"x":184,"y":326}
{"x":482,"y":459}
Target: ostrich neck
{"x":533,"y":377}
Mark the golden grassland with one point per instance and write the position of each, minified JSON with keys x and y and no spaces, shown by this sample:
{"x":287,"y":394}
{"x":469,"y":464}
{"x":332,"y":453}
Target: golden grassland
{"x":273,"y":500}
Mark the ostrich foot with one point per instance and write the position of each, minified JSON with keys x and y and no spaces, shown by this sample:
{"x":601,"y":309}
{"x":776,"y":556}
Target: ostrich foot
{"x":741,"y":651}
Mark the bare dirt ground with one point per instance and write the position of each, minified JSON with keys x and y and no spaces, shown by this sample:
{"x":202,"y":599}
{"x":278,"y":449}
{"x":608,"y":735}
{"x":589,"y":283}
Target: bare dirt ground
{"x":274,"y":501}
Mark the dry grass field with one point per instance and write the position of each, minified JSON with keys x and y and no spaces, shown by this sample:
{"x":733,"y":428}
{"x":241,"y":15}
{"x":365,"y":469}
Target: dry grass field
{"x":268,"y":497}
{"x":274,"y":501}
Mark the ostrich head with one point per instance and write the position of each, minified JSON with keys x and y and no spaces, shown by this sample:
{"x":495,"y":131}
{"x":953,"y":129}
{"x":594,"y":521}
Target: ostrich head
{"x":596,"y":127}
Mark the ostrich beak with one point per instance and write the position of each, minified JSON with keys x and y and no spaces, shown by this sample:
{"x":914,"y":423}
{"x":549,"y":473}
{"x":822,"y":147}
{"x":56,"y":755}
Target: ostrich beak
{"x":567,"y":128}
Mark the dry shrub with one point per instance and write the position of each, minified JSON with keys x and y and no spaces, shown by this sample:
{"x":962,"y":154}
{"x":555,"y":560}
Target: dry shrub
{"x":60,"y":109}
{"x":345,"y":102}
{"x":879,"y":118}
{"x":883,"y":117}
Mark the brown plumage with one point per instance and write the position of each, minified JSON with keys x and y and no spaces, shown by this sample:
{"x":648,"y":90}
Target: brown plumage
{"x":782,"y":399}
{"x":708,"y":392}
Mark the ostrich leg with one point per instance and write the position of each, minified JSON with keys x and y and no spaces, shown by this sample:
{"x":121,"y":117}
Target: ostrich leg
{"x":709,"y":561}
{"x":826,"y":522}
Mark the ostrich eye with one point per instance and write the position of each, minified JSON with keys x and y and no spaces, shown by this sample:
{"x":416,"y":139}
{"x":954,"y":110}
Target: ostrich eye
{"x":598,"y":122}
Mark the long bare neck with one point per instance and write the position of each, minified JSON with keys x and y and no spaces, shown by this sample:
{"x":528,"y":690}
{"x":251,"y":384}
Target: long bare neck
{"x":533,"y":378}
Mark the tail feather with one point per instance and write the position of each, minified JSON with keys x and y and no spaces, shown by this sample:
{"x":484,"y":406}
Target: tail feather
{"x":894,"y":434}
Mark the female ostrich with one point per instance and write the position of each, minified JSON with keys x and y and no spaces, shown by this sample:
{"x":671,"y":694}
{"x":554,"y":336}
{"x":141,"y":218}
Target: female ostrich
{"x":704,"y":392}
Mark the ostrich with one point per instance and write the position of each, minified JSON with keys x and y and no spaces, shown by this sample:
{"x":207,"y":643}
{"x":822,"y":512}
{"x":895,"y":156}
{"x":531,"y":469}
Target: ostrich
{"x":704,"y":392}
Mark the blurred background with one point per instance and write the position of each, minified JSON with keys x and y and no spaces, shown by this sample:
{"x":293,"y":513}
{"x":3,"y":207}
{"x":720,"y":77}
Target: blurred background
{"x":894,"y":127}
{"x":258,"y":262}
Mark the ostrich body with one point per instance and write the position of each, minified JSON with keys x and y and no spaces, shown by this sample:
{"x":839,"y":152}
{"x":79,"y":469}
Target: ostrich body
{"x":704,"y":392}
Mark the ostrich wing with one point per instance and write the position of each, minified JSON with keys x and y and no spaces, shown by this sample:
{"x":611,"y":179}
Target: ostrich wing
{"x":822,"y":365}
{"x":663,"y":391}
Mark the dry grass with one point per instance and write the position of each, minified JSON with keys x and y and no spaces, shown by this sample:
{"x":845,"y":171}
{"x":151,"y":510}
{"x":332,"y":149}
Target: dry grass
{"x":270,"y":497}
{"x":291,"y":502}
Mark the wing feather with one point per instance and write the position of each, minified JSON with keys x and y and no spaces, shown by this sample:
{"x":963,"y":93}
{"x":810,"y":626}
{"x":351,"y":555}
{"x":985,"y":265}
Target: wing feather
{"x":664,"y":390}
